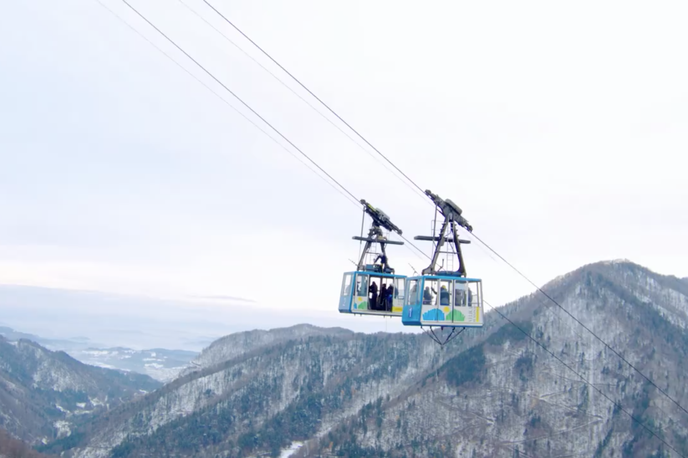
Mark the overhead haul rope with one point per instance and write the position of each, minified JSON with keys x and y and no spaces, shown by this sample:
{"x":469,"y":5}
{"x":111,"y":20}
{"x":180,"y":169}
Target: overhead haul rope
{"x":341,"y":188}
{"x":289,"y":88}
{"x":314,"y":96}
{"x":225,"y":101}
{"x":352,"y":196}
{"x":355,"y":200}
{"x":617,"y":353}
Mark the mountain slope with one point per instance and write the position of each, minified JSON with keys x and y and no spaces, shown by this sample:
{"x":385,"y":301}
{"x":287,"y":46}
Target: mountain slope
{"x":491,"y":392}
{"x":508,"y":397}
{"x":11,"y":447}
{"x":295,"y":386}
{"x":44,"y":394}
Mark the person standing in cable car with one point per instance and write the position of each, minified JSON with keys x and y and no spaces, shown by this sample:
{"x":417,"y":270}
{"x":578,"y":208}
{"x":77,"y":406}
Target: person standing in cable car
{"x":383,"y":298}
{"x":444,"y":296}
{"x":427,"y":296}
{"x":389,"y":299}
{"x":373,"y":296}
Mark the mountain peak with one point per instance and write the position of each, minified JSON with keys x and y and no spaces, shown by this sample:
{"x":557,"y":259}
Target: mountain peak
{"x":637,"y":288}
{"x":240,"y":343}
{"x":613,"y":264}
{"x":614,"y":268}
{"x":616,"y":261}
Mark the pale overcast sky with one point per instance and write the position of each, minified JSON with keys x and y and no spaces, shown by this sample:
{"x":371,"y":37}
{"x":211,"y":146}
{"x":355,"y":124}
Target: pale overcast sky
{"x":560,"y":128}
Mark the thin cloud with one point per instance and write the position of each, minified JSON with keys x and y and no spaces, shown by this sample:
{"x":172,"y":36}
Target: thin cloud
{"x":225,"y":298}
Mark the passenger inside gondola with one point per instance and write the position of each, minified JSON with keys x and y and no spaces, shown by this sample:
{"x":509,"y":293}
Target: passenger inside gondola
{"x":373,"y":296}
{"x":444,"y":296}
{"x":390,"y":298}
{"x":383,"y":298}
{"x":427,"y":296}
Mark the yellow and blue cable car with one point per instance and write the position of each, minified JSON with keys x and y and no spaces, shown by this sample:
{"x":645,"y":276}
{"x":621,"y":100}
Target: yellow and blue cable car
{"x":444,"y":298}
{"x":374,"y":288}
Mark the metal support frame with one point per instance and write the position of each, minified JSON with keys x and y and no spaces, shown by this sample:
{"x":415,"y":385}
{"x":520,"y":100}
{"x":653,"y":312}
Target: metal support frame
{"x":452,"y":219}
{"x":453,"y":335}
{"x":375,"y":235}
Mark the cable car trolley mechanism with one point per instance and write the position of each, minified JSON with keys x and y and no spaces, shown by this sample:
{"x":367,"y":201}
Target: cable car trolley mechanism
{"x":444,"y":298}
{"x":374,"y":288}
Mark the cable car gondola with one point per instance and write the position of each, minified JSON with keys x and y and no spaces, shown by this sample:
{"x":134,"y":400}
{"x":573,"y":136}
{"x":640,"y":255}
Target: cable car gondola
{"x":362,"y":289}
{"x":444,"y":298}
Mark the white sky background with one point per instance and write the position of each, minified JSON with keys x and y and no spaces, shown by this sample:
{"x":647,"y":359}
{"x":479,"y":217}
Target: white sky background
{"x":561,"y":129}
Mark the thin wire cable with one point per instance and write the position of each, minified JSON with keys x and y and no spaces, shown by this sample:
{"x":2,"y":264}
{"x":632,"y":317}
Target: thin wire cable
{"x":234,"y":108}
{"x":584,"y":326}
{"x":414,"y":246}
{"x":225,"y":101}
{"x":356,"y":201}
{"x":290,"y":89}
{"x":319,"y":100}
{"x":495,"y":309}
{"x":360,"y":242}
{"x":315,"y":96}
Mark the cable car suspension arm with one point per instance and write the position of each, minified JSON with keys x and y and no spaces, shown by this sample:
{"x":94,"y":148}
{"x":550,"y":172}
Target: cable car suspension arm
{"x":375,"y":234}
{"x":452,"y":219}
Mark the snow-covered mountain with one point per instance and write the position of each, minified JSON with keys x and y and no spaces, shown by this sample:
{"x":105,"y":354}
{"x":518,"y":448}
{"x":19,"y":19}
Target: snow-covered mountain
{"x":506,"y":396}
{"x":44,"y":395}
{"x":235,"y":345}
{"x":159,"y":363}
{"x":490,"y":392}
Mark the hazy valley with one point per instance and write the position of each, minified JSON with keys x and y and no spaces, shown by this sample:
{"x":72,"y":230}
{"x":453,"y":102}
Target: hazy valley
{"x":159,"y":363}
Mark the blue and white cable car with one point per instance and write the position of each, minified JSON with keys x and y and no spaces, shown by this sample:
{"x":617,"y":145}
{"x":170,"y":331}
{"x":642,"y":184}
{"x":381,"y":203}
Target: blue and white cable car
{"x":373,"y":288}
{"x":444,"y":298}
